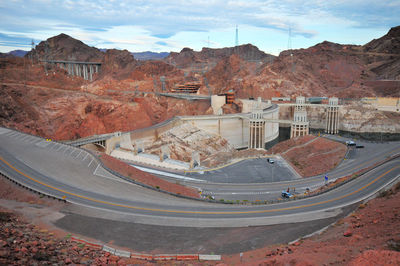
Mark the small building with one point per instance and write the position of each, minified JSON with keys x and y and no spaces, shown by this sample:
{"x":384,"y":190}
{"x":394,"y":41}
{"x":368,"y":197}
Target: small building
{"x":280,"y":99}
{"x":230,"y":97}
{"x":187,"y":88}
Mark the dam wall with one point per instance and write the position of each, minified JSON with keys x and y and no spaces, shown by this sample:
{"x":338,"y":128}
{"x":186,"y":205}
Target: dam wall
{"x":232,"y":127}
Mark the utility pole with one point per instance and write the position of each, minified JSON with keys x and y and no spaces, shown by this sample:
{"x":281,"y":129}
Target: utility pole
{"x":272,"y":172}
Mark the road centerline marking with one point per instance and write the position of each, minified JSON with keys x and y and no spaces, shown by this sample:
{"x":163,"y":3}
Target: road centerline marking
{"x":197,"y":212}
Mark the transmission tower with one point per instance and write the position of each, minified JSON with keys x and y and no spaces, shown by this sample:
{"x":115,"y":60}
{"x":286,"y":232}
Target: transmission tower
{"x":237,"y":37}
{"x":290,"y":49}
{"x":155,"y":88}
{"x":32,"y":51}
{"x":46,"y":56}
{"x":163,"y":87}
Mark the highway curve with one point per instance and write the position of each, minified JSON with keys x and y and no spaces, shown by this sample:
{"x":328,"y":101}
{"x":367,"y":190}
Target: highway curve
{"x":73,"y":174}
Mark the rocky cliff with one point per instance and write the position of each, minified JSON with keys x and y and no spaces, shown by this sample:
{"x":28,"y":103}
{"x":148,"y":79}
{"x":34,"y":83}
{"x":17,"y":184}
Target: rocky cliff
{"x":51,"y":103}
{"x":64,"y":47}
{"x":354,"y":117}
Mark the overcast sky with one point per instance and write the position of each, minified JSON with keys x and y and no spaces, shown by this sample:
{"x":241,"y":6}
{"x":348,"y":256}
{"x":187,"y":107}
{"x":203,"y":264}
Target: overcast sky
{"x":170,"y":25}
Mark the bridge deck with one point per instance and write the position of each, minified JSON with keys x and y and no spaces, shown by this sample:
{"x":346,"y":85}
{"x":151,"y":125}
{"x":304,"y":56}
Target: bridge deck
{"x":71,"y":62}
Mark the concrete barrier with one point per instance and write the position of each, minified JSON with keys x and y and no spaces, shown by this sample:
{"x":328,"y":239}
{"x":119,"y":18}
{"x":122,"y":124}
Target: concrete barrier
{"x":209,"y":257}
{"x":77,"y":239}
{"x":94,"y":245}
{"x":122,"y":253}
{"x":87,"y":243}
{"x":141,"y":256}
{"x":109,"y":249}
{"x":148,"y":257}
{"x":187,"y":257}
{"x":165,"y":257}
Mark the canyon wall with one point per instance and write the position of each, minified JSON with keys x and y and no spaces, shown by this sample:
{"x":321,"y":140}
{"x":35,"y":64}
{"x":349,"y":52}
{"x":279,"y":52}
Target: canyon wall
{"x":354,"y":117}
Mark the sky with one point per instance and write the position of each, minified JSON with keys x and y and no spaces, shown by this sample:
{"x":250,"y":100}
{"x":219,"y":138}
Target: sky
{"x":170,"y":25}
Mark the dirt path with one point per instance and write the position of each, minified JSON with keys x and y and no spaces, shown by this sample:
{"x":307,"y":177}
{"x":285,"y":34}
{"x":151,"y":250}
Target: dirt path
{"x":300,"y":146}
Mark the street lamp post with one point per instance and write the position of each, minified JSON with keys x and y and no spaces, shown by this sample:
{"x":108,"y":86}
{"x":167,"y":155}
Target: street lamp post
{"x":272,"y":172}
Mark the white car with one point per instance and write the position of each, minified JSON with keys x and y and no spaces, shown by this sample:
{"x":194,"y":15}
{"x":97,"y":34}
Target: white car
{"x":270,"y":160}
{"x":350,"y":143}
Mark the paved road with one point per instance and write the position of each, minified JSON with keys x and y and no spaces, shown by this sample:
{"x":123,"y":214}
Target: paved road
{"x":254,"y":189}
{"x":69,"y":172}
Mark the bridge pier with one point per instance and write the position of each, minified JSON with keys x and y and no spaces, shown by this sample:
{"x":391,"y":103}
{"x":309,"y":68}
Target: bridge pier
{"x":80,"y":69}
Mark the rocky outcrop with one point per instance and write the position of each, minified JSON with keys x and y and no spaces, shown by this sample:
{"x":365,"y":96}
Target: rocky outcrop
{"x":118,"y":64}
{"x":64,"y":47}
{"x":366,"y":118}
{"x":389,"y":43}
{"x":186,"y":57}
{"x":353,"y":117}
{"x":383,"y":55}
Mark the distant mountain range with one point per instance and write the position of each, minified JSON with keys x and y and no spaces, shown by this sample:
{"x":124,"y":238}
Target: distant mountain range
{"x":143,"y":56}
{"x":150,"y":55}
{"x":16,"y":53}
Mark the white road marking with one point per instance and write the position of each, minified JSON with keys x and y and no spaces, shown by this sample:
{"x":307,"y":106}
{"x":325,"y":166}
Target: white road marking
{"x":153,"y":171}
{"x":67,"y":149}
{"x":4,"y":131}
{"x":239,"y":193}
{"x":42,"y":143}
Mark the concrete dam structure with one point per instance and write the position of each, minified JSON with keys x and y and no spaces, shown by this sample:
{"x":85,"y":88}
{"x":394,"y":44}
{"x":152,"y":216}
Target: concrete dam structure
{"x":239,"y":129}
{"x":254,"y":128}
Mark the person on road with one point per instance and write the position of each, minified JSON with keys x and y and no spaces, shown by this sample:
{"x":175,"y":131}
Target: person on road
{"x":287,"y":190}
{"x":326,"y":179}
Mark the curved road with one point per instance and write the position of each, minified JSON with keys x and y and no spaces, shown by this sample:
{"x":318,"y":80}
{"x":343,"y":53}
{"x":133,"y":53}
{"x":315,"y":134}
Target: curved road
{"x":73,"y":174}
{"x":250,"y":188}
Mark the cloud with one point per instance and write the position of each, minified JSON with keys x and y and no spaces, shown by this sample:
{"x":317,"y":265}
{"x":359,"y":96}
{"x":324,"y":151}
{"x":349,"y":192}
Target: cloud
{"x":163,"y":20}
{"x":162,"y":43}
{"x":16,"y":41}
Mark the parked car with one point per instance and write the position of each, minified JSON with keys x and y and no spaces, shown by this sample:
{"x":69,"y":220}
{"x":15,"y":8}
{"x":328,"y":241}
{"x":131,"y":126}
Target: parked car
{"x":286,"y":194}
{"x":270,"y":160}
{"x":350,"y":143}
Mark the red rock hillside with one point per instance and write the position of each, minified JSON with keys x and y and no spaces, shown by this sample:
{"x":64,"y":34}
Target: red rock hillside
{"x":122,"y":97}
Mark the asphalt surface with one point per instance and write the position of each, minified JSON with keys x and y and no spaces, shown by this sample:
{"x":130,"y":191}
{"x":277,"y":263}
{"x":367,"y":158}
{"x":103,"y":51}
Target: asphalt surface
{"x":252,"y":189}
{"x":171,"y":239}
{"x":65,"y":171}
{"x":249,"y":171}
